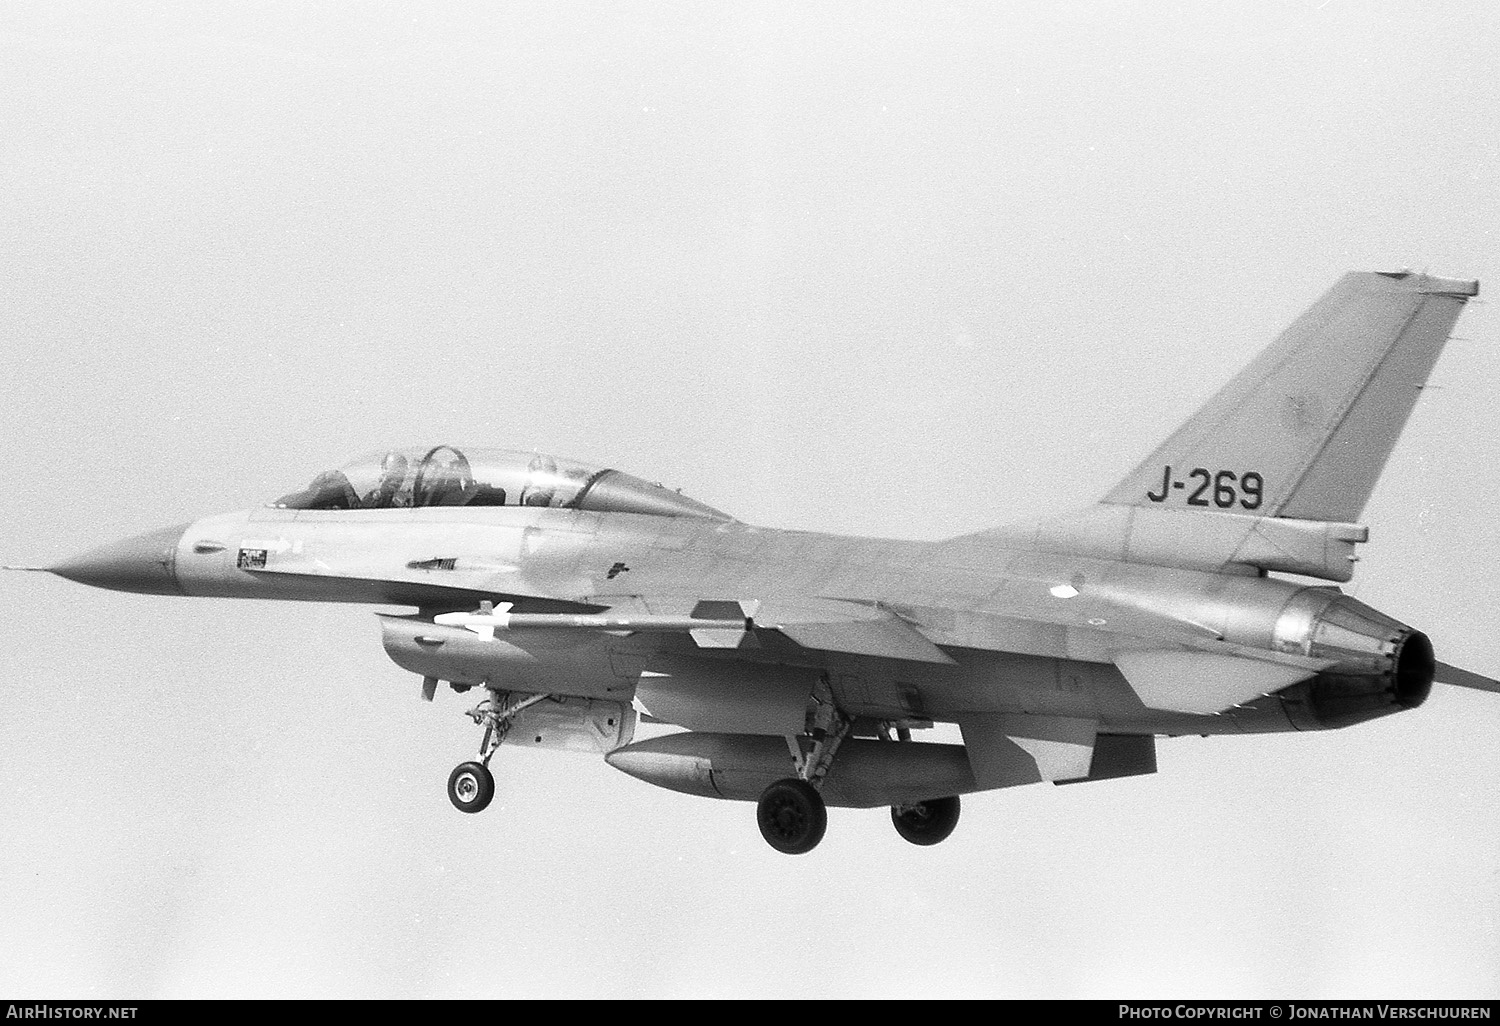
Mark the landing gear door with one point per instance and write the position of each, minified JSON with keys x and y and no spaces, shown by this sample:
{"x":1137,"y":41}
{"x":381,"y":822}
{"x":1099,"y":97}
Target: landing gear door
{"x":588,"y":725}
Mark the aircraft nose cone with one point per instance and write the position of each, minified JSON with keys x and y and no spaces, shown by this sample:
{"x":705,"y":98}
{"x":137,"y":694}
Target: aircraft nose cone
{"x":144,"y":563}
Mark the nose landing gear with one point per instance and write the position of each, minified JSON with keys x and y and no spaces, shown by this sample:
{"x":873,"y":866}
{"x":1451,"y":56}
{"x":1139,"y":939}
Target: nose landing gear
{"x":471,"y":786}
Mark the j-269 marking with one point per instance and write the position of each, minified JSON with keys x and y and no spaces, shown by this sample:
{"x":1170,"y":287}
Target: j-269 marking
{"x":1217,"y":488}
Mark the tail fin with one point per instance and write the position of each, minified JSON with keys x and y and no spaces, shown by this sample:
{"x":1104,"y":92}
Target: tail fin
{"x":1304,"y":431}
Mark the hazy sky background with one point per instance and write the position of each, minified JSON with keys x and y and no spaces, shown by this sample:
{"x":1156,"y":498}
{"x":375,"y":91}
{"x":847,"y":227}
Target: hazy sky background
{"x":905,"y":270}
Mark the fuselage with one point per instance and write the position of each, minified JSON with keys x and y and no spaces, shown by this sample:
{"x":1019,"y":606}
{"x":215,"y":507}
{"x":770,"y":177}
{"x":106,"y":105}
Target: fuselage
{"x":1028,"y":631}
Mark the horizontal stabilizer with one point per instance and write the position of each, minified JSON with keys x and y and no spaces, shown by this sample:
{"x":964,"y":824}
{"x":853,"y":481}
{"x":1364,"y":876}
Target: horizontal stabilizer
{"x":1203,"y":682}
{"x":1464,"y":679}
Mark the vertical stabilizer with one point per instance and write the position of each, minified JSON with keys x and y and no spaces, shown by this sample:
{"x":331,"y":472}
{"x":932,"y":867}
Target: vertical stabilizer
{"x":1304,"y":431}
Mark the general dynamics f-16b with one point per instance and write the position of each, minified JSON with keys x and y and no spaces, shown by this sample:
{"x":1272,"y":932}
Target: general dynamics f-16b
{"x":801,"y":665}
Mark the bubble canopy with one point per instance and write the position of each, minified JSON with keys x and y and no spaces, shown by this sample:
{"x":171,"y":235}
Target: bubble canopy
{"x":445,"y":475}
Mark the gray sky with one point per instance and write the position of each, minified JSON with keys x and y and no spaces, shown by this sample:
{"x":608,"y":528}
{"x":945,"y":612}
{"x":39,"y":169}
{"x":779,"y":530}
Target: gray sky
{"x":899,"y":270}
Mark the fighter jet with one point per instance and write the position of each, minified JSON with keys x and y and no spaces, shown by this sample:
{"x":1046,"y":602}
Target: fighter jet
{"x":802,"y":668}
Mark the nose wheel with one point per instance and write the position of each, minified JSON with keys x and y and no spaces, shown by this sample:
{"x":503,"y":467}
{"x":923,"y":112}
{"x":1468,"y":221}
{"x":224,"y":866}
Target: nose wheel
{"x":471,"y":786}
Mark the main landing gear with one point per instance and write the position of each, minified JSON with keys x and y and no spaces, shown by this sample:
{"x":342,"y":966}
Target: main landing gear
{"x":792,"y":816}
{"x":926,"y":822}
{"x":471,"y":786}
{"x":791,"y":813}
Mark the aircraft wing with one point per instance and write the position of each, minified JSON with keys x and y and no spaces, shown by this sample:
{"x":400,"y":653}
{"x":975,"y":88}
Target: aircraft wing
{"x":1169,"y":665}
{"x":851,"y":627}
{"x":830,"y":625}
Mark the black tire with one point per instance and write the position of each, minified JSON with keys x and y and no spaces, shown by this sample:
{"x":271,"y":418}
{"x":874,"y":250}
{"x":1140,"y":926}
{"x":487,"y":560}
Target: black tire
{"x":470,"y":787}
{"x":792,"y":816}
{"x":926,"y":822}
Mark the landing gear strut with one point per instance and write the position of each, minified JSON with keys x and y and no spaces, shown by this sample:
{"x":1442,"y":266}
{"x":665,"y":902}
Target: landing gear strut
{"x":471,"y":786}
{"x":791,"y":812}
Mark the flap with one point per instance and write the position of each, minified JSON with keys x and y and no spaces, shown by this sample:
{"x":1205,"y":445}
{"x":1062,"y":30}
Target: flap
{"x":836,"y":626}
{"x":1203,"y":682}
{"x":892,"y":638}
{"x":1006,"y":749}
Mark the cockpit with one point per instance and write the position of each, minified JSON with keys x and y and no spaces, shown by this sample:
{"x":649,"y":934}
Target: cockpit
{"x":447,"y":476}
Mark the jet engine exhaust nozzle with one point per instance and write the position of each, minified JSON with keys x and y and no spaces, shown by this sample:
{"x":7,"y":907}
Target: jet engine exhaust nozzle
{"x":1381,"y":665}
{"x":1416,"y":666}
